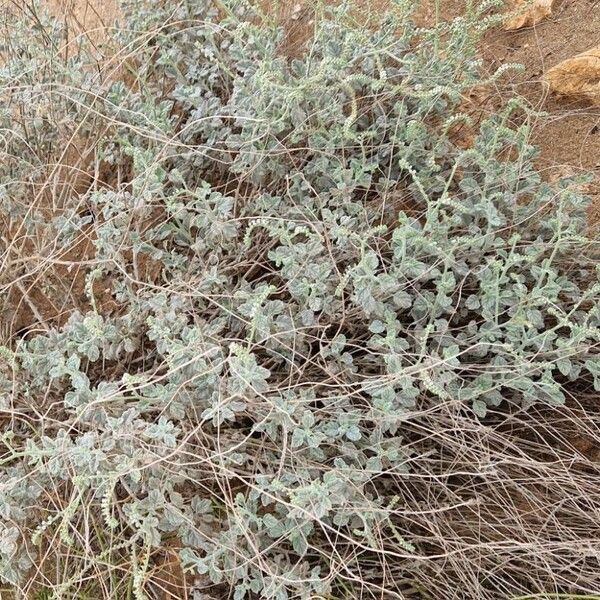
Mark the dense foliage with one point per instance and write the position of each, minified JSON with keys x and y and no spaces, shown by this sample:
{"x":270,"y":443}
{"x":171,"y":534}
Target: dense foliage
{"x":304,"y":267}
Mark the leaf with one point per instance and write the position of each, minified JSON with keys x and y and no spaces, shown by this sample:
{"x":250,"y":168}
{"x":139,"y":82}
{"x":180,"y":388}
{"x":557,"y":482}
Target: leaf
{"x":299,"y":543}
{"x":297,"y":438}
{"x":530,"y":12}
{"x":472,"y":302}
{"x":274,"y":527}
{"x":376,"y":327}
{"x":564,"y":365}
{"x":246,"y":374}
{"x":480,"y":408}
{"x":353,"y":433}
{"x":240,"y":592}
{"x":593,"y":366}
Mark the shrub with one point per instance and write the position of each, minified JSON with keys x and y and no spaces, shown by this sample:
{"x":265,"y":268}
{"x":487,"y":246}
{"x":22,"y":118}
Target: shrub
{"x":312,"y":287}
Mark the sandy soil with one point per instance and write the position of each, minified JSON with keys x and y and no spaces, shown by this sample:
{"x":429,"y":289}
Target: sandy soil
{"x":91,"y":16}
{"x":569,"y":137}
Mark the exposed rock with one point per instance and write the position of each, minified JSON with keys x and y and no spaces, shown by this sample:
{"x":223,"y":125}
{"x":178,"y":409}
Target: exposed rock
{"x":577,"y":78}
{"x":530,"y":13}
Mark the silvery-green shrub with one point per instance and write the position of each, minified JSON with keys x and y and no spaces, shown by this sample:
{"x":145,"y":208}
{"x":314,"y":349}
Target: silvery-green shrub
{"x":329,"y":263}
